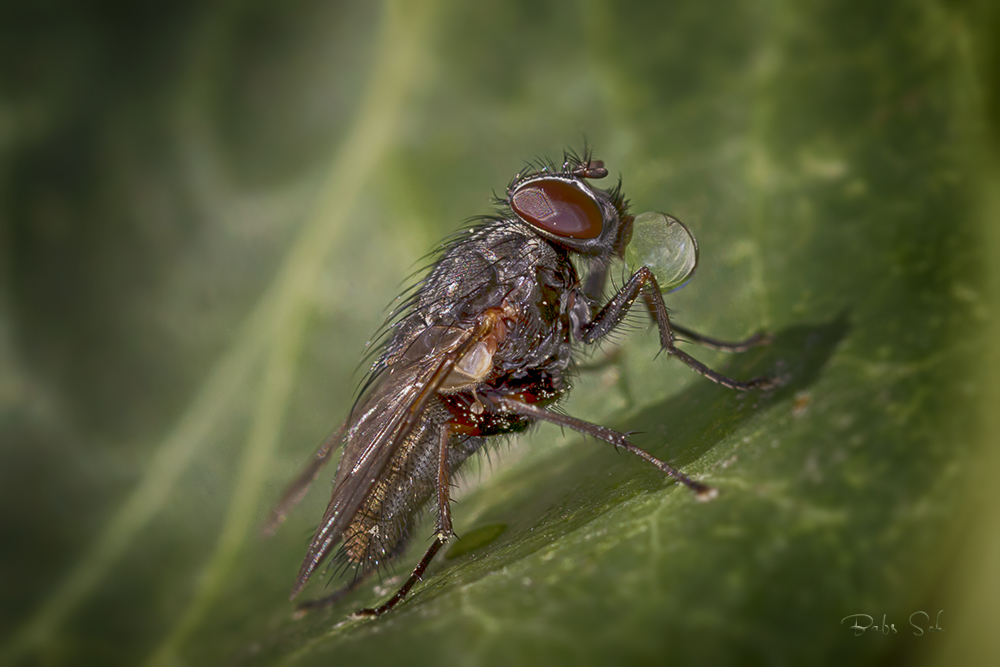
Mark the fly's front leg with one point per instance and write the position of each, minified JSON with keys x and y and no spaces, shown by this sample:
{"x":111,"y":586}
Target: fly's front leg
{"x":690,"y":336}
{"x":442,"y":534}
{"x":643,"y":282}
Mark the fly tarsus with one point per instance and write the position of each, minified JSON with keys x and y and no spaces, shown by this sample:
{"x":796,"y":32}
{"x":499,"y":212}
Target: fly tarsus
{"x":762,"y":382}
{"x":758,"y":339}
{"x":417,"y":574}
{"x":304,"y":608}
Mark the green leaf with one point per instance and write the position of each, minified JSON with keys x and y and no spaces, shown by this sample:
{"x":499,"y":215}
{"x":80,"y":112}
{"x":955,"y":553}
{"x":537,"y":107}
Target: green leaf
{"x":206,"y":209}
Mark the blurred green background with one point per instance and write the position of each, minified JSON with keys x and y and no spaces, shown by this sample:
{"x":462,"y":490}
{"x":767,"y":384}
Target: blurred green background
{"x":206,"y":208}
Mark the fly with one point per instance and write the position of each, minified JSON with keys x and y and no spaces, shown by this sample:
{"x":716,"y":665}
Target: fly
{"x":483,"y":347}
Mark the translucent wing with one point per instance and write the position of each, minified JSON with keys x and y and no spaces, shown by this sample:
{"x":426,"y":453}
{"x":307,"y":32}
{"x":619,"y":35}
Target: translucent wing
{"x":382,"y":421}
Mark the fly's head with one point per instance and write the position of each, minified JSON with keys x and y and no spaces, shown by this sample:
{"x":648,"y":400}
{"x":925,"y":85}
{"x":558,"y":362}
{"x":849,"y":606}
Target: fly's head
{"x":561,"y":205}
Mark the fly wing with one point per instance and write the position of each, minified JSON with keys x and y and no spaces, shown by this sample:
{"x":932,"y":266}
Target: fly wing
{"x":381,"y":422}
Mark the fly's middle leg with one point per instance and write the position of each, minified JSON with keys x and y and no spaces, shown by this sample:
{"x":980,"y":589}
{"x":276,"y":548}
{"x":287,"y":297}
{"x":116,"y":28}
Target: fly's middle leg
{"x":619,"y":440}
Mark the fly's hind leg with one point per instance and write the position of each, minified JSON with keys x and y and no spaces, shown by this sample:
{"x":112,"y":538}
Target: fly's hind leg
{"x":417,"y":575}
{"x":442,"y":534}
{"x":296,"y":491}
{"x":303,"y":608}
{"x":643,"y":283}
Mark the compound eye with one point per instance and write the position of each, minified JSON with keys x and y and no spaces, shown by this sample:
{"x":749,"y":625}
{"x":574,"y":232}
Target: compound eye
{"x":559,"y":208}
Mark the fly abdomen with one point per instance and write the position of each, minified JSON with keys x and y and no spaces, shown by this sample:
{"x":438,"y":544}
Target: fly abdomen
{"x":382,"y":527}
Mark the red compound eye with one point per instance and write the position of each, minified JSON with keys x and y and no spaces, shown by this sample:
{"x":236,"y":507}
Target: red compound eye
{"x":559,"y":208}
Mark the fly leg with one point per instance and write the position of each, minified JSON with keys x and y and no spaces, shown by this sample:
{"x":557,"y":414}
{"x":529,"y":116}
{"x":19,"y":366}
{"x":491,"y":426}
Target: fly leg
{"x":296,"y":491}
{"x":643,"y":282}
{"x":690,"y":336}
{"x":303,"y":608}
{"x":443,"y":531}
{"x":619,"y":440}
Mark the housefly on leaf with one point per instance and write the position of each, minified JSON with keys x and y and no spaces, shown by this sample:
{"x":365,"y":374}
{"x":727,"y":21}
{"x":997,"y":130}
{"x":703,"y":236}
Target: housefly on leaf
{"x":483,"y":347}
